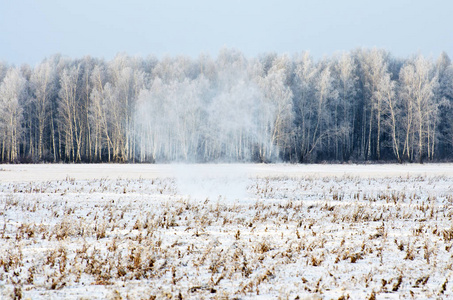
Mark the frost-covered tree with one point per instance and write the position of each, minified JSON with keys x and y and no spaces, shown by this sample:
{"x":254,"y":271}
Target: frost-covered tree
{"x":444,"y":95}
{"x":315,"y":100}
{"x":374,"y":68}
{"x":344,"y":109}
{"x":43,"y":85}
{"x":97,"y":110}
{"x":386,"y":94}
{"x":70,"y":127}
{"x":418,"y":82}
{"x":278,"y":98}
{"x":12,"y":96}
{"x":127,"y":79}
{"x":305,"y":74}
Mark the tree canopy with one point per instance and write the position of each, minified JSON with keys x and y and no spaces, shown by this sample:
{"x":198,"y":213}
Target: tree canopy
{"x":361,"y":105}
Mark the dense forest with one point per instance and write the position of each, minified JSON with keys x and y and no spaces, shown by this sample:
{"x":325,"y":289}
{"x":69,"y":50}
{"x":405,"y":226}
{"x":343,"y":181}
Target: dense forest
{"x":362,"y":105}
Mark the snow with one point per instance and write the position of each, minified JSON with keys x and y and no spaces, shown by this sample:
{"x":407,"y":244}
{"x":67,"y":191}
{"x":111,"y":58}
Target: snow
{"x":219,"y":230}
{"x":45,"y":172}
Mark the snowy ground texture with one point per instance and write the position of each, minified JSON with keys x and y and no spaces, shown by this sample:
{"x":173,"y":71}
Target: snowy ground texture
{"x":226,"y":231}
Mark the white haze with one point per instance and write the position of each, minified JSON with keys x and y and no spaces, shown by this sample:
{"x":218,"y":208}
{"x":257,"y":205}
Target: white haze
{"x":221,"y":116}
{"x":212,"y":181}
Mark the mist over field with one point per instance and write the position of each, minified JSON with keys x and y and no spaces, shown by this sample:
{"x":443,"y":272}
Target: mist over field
{"x":215,"y":182}
{"x":197,"y":119}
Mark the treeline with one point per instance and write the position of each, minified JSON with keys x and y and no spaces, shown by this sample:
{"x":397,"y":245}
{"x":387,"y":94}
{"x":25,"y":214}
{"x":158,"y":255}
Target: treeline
{"x":363,"y":105}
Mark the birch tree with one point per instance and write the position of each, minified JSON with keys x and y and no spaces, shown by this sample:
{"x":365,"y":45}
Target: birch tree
{"x":279,"y":96}
{"x":386,"y":94}
{"x":444,"y":94}
{"x":98,"y":114}
{"x":326,"y":94}
{"x":345,"y":112}
{"x":418,"y":84}
{"x":374,"y":67}
{"x":305,"y":73}
{"x":12,"y":95}
{"x":44,"y":88}
{"x":69,"y":113}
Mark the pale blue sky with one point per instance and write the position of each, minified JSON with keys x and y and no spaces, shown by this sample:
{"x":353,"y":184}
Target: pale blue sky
{"x":31,"y":30}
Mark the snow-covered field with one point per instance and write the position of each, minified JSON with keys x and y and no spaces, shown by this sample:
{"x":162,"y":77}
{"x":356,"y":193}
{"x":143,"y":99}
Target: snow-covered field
{"x":226,"y":231}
